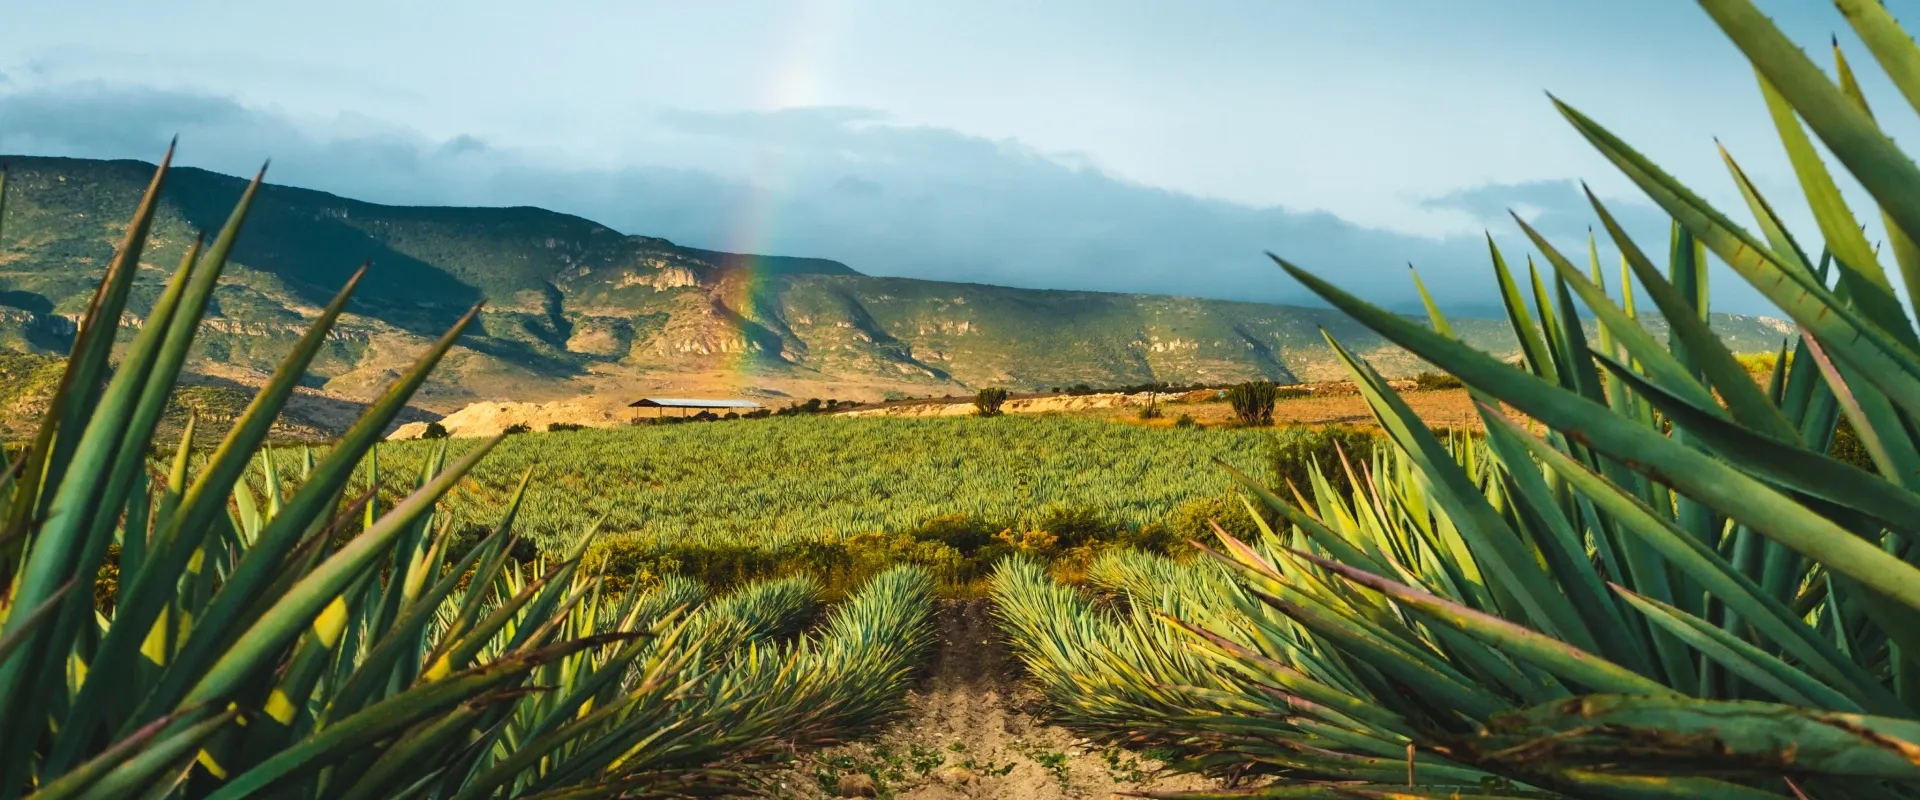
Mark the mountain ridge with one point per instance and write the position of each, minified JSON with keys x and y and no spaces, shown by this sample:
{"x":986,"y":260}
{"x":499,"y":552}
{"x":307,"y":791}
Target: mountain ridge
{"x":574,"y":307}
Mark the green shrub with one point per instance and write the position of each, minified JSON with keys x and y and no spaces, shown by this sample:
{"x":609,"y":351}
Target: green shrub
{"x":1253,"y":402}
{"x":1847,"y":447}
{"x":1073,"y":526}
{"x":986,"y":402}
{"x":1429,"y":381}
{"x":1295,"y":449}
{"x":963,"y":532}
{"x":1193,"y":520}
{"x":557,"y":427}
{"x":434,"y":430}
{"x":1185,"y":421}
{"x":517,"y":428}
{"x":1154,"y":537}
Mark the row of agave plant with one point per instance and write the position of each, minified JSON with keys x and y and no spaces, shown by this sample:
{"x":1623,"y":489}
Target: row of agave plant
{"x":270,"y":634}
{"x":1656,"y":583}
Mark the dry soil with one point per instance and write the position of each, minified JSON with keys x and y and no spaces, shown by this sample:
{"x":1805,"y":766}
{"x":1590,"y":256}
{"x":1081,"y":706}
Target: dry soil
{"x":974,"y":731}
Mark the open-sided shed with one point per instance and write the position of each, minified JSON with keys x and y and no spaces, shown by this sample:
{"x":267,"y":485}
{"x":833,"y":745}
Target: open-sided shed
{"x":685,"y":403}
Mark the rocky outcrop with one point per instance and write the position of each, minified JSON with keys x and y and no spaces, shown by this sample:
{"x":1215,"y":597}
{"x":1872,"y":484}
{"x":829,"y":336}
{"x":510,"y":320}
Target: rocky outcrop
{"x":493,"y":418}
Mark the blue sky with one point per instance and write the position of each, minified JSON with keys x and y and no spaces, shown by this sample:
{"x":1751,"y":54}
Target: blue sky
{"x":1101,"y":144}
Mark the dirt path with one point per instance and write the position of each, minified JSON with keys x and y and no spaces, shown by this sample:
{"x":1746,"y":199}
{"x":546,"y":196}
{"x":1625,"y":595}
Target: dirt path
{"x":972,"y":733}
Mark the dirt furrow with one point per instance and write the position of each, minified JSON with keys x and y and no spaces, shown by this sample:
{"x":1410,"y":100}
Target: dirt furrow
{"x":975,"y":732}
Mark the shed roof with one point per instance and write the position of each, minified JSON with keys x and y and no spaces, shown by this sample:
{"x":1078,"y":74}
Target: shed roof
{"x":686,"y":402}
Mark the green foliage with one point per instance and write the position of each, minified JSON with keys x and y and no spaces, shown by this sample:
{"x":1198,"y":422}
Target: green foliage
{"x":558,"y":427}
{"x":1295,"y":452}
{"x":1185,"y":421}
{"x":1660,"y":585}
{"x":1193,"y":520}
{"x":811,"y":406}
{"x":24,"y":376}
{"x":964,"y":533}
{"x":1074,"y":525}
{"x":986,"y":402}
{"x":1432,"y":381}
{"x":516,"y":428}
{"x":1252,"y":402}
{"x":434,"y":430}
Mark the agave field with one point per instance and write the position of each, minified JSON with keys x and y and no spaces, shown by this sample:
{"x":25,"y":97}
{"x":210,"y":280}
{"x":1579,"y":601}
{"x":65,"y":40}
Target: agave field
{"x":240,"y":629}
{"x":774,"y":482}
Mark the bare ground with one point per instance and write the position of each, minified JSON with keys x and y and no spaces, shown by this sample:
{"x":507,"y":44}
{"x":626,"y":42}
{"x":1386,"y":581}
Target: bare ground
{"x":974,"y":732}
{"x":1331,"y":403}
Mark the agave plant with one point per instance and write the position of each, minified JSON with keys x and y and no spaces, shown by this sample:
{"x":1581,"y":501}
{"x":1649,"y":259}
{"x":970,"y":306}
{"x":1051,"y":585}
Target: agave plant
{"x":1654,"y":581}
{"x":269,"y":634}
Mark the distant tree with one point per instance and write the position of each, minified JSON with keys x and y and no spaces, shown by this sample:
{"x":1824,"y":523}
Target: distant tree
{"x":1253,"y":402}
{"x":556,"y":427}
{"x":987,"y":402}
{"x":1152,"y":411}
{"x":518,"y":427}
{"x":434,"y":430}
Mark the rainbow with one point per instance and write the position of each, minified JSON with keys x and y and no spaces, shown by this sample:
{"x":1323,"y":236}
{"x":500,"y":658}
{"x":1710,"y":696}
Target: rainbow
{"x":795,"y":75}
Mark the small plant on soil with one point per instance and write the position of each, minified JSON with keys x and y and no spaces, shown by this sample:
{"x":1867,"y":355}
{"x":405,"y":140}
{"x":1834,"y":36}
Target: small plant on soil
{"x":1053,"y":761}
{"x":924,"y":759}
{"x":1124,"y":767}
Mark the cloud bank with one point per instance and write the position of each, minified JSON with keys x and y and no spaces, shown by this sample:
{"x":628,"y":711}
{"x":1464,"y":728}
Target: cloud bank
{"x":848,"y":185}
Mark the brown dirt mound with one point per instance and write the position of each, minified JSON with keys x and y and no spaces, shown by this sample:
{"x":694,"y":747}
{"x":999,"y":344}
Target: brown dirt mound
{"x":973,"y":732}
